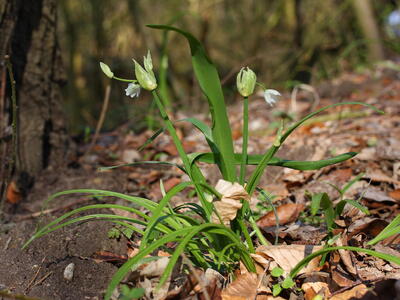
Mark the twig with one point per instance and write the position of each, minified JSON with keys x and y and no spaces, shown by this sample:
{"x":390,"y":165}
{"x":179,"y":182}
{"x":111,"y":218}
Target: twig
{"x":7,"y":243}
{"x":43,"y":278}
{"x":30,"y":284}
{"x":201,"y":282}
{"x":101,"y":119}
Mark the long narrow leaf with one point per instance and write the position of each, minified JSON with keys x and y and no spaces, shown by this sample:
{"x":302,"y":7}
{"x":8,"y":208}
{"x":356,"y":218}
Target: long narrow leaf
{"x":255,"y":159}
{"x":210,"y":84}
{"x":306,"y":260}
{"x":157,"y":212}
{"x":389,"y":230}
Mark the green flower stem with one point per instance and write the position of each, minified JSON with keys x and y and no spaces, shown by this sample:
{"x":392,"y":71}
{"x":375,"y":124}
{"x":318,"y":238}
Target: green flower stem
{"x":246,"y":235}
{"x":192,"y":170}
{"x":245,"y":134}
{"x":258,"y":232}
{"x":123,"y":80}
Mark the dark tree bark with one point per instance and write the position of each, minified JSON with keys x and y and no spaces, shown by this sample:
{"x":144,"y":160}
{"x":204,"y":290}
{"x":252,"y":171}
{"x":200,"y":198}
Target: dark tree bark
{"x":28,"y":36}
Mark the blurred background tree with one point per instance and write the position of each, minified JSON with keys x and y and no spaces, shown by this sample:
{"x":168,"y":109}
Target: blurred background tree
{"x":284,"y":41}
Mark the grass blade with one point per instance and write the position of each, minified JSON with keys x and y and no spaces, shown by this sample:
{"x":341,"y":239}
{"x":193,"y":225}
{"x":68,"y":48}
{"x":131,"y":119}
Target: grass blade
{"x":306,"y":260}
{"x":255,"y":159}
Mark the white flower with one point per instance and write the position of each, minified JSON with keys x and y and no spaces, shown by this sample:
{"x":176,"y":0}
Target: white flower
{"x":271,"y":96}
{"x":133,"y":90}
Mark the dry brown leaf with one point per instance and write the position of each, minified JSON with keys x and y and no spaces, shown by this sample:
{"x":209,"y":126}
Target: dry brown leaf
{"x":395,"y":194}
{"x":346,"y":256}
{"x":243,"y":288}
{"x":287,"y":213}
{"x":13,"y":194}
{"x":246,"y":287}
{"x":287,"y":256}
{"x":151,"y":289}
{"x":232,"y":194}
{"x":341,"y":278}
{"x":155,"y":268}
{"x":315,"y":287}
{"x":355,"y":293}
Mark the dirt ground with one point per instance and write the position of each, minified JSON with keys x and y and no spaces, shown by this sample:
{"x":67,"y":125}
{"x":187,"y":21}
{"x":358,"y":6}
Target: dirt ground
{"x":38,"y":270}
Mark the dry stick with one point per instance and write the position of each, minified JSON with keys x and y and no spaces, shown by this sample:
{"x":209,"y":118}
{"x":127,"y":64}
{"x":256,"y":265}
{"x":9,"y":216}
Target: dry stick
{"x":201,"y":282}
{"x":43,"y":278}
{"x":30,"y":284}
{"x":101,"y":119}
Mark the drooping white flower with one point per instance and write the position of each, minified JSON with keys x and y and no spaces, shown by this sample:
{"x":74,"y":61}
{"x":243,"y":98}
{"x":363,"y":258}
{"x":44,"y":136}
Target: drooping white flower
{"x":133,"y":90}
{"x":271,"y":96}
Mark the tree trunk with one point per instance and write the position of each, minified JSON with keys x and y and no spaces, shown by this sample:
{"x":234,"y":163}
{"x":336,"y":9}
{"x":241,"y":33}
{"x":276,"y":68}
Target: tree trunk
{"x":28,"y":36}
{"x":366,"y":19}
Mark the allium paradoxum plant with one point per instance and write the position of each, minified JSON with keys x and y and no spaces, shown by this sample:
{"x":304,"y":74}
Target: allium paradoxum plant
{"x":224,"y":229}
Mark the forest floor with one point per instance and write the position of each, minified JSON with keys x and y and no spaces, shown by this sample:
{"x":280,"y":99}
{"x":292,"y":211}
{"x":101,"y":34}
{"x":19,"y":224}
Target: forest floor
{"x":38,"y":271}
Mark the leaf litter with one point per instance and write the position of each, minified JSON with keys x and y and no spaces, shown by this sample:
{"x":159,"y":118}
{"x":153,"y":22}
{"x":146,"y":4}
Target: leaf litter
{"x":340,"y":275}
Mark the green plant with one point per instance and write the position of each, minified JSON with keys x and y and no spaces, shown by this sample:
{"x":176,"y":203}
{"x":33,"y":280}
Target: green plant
{"x":390,"y":230}
{"x":285,"y":283}
{"x":331,"y":211}
{"x":212,"y":238}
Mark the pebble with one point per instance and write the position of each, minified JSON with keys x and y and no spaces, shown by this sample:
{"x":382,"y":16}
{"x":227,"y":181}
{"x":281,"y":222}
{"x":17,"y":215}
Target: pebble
{"x":69,"y":271}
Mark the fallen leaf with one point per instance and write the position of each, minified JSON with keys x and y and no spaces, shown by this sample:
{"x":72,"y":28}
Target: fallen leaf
{"x":315,"y":286}
{"x":154,"y":268}
{"x":346,"y":255}
{"x":243,"y":288}
{"x":287,"y":256}
{"x":13,"y":194}
{"x":246,"y":287}
{"x":287,"y":213}
{"x":227,"y":210}
{"x":355,"y":293}
{"x":395,"y":194}
{"x":110,"y":257}
{"x":232,"y":194}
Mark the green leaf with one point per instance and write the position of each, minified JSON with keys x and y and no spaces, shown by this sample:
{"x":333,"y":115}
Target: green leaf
{"x":288,"y":283}
{"x":158,"y":211}
{"x":147,"y":162}
{"x":329,"y":213}
{"x":315,"y":203}
{"x":307,"y":259}
{"x":210,"y":84}
{"x":152,"y":138}
{"x":391,"y":229}
{"x":276,"y":289}
{"x":352,"y":203}
{"x":351,"y":182}
{"x":255,"y":159}
{"x":276,"y":272}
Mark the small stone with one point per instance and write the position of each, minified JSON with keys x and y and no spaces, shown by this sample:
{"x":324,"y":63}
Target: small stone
{"x":69,"y":271}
